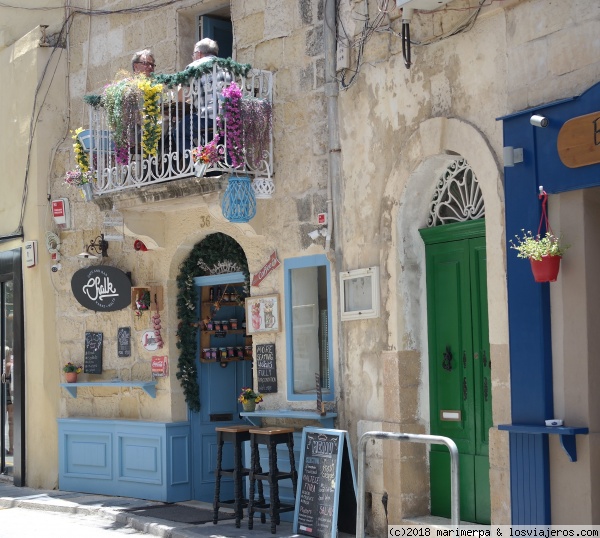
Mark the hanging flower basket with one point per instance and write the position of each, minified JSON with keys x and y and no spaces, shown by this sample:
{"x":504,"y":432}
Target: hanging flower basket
{"x":546,"y":269}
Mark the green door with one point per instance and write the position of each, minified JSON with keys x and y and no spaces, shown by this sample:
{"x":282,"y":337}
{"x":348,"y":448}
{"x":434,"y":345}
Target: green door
{"x":459,"y":365}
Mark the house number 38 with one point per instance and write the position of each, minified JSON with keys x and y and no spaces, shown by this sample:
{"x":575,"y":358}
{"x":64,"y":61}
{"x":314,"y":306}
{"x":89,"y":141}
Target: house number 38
{"x":205,"y":222}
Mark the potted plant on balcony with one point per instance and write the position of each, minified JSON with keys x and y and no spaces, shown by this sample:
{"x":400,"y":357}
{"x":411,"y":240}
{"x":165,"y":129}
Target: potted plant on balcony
{"x":207,"y":155}
{"x":544,"y":253}
{"x":71,"y":370}
{"x":78,"y":178}
{"x":248,"y":398}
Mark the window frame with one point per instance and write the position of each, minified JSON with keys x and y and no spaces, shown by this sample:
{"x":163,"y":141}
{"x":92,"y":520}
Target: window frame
{"x":317,"y":260}
{"x":356,"y":275}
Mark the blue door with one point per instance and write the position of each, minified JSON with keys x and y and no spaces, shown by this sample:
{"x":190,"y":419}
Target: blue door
{"x":220,"y":380}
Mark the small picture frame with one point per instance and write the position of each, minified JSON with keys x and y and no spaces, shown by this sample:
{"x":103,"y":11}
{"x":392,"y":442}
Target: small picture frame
{"x":359,"y":293}
{"x":262,"y":314}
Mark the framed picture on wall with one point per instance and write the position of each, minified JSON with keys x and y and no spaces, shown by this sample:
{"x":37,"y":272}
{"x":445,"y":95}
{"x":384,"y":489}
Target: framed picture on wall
{"x":262,"y":314}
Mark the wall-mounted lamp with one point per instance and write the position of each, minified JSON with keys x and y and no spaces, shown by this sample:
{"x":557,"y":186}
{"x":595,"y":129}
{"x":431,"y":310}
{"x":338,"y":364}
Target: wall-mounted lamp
{"x":98,"y":246}
{"x":539,"y":121}
{"x":512,"y":155}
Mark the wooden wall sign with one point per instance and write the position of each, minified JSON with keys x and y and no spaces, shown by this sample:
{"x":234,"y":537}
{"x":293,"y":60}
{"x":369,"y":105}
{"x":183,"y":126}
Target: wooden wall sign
{"x":101,"y":288}
{"x":92,"y":358}
{"x":326,"y":498}
{"x":267,"y":268}
{"x":124,"y":342}
{"x":578,"y":141}
{"x":266,"y":368}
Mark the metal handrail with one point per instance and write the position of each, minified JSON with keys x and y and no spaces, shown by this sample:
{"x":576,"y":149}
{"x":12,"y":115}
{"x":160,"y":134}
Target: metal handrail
{"x":414,"y":438}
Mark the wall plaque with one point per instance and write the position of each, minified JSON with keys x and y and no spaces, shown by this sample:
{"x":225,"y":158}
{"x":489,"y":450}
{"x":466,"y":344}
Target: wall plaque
{"x":101,"y":288}
{"x":92,"y":357}
{"x":124,"y":342}
{"x":578,"y":141}
{"x":266,"y":368}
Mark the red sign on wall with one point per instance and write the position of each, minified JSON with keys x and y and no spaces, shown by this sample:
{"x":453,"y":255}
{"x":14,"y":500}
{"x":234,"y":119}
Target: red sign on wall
{"x":268,"y":267}
{"x":160,"y":366}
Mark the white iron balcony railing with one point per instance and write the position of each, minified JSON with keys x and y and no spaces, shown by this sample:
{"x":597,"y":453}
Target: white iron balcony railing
{"x":187,"y":117}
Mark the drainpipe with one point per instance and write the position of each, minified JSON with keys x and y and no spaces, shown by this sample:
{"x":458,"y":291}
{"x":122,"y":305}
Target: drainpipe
{"x":331,"y":93}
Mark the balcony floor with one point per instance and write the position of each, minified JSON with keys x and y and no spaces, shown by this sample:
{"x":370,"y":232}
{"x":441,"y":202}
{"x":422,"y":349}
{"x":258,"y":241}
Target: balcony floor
{"x":175,"y":195}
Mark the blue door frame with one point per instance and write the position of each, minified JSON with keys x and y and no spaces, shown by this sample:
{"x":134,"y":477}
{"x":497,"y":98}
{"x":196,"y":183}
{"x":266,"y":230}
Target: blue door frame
{"x":529,"y":328}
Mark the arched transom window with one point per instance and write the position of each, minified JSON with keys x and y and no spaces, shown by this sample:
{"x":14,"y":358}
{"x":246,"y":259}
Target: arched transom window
{"x":457,"y":197}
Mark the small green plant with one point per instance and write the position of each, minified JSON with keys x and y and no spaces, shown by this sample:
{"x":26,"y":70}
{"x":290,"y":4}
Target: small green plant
{"x":70,"y":367}
{"x":248,"y":395}
{"x":535,"y":246}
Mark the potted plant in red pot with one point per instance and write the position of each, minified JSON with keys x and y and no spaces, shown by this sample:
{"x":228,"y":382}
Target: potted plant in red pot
{"x":544,"y":253}
{"x":71,"y":370}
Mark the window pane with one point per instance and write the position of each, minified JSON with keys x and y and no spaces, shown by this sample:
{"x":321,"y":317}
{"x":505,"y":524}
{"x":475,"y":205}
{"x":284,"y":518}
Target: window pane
{"x":309,"y":327}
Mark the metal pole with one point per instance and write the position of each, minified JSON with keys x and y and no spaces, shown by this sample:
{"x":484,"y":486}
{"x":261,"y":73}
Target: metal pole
{"x":414,"y":438}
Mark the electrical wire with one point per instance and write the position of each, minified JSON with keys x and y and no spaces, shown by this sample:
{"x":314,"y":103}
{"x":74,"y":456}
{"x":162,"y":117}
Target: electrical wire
{"x":52,"y":243}
{"x":377,"y":25}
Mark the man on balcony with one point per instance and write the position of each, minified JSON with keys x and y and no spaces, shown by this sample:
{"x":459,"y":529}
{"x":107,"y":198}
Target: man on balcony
{"x":206,"y":106}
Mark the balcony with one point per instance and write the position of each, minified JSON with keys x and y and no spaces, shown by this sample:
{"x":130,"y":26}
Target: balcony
{"x":149,"y":145}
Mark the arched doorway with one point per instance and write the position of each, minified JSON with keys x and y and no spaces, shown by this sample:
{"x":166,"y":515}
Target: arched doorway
{"x":458,"y":341}
{"x":213,"y":365}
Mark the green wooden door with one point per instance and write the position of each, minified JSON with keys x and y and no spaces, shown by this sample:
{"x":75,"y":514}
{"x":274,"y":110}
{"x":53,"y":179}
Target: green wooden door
{"x":459,"y":365}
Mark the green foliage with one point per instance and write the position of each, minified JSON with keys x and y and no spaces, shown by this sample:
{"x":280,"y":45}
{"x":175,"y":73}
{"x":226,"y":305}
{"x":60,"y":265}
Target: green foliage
{"x":214,"y":249}
{"x":535,"y":247}
{"x":204,"y":68}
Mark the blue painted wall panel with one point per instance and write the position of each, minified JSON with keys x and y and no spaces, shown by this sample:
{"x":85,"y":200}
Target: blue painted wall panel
{"x":148,"y":460}
{"x":529,"y":302}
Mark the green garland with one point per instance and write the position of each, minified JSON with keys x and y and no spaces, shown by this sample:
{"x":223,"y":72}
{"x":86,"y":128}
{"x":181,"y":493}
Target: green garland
{"x":182,"y":77}
{"x":204,"y":68}
{"x":212,"y":250}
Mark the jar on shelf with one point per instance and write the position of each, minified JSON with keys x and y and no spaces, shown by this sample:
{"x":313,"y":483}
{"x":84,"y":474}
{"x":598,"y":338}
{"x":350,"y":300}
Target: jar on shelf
{"x":222,"y":353}
{"x":213,"y":353}
{"x":248,"y":350}
{"x":233,"y":323}
{"x":210,"y":325}
{"x":206,"y":353}
{"x":217,"y":325}
{"x":226,"y":296}
{"x":230,"y":353}
{"x":225,"y":325}
{"x":239,"y":351}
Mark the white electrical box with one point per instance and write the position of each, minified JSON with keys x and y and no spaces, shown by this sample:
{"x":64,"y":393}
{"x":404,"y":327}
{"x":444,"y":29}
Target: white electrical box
{"x":30,"y":253}
{"x":61,"y":212}
{"x":425,"y":5}
{"x":342,"y":57}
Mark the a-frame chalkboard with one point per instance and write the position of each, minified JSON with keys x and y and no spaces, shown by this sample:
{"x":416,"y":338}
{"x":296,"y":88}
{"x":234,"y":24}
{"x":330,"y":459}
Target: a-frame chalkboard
{"x":326,"y":498}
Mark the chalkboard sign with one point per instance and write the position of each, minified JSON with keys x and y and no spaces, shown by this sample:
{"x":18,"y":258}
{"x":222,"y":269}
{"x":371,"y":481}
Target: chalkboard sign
{"x":92,"y":359}
{"x":326,"y":498}
{"x":124,"y":342}
{"x":266,"y":371}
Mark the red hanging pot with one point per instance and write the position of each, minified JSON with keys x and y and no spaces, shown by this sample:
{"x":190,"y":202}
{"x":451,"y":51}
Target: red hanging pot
{"x":546,"y":269}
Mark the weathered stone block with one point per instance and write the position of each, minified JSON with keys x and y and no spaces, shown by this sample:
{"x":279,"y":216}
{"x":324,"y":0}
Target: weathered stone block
{"x":306,"y":11}
{"x":314,"y":41}
{"x":250,"y":30}
{"x":269,"y":55}
{"x":280,"y":18}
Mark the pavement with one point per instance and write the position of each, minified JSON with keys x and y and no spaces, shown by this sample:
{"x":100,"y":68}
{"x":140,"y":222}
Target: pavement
{"x":141,"y":515}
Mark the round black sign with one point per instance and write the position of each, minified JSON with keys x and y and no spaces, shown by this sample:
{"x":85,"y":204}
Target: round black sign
{"x":101,"y":288}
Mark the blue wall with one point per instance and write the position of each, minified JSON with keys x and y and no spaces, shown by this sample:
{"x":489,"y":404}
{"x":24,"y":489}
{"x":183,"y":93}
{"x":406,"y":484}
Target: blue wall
{"x":146,"y":460}
{"x":529,"y":302}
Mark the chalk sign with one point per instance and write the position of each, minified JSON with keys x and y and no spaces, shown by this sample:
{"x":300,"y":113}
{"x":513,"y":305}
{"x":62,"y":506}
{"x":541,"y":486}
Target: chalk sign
{"x":266,"y":370}
{"x":326,"y":498}
{"x":92,"y":358}
{"x":124,"y":342}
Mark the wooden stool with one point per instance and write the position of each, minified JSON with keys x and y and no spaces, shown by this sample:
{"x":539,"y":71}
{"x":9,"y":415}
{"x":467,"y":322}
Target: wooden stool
{"x":271,"y":437}
{"x":235,"y":435}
